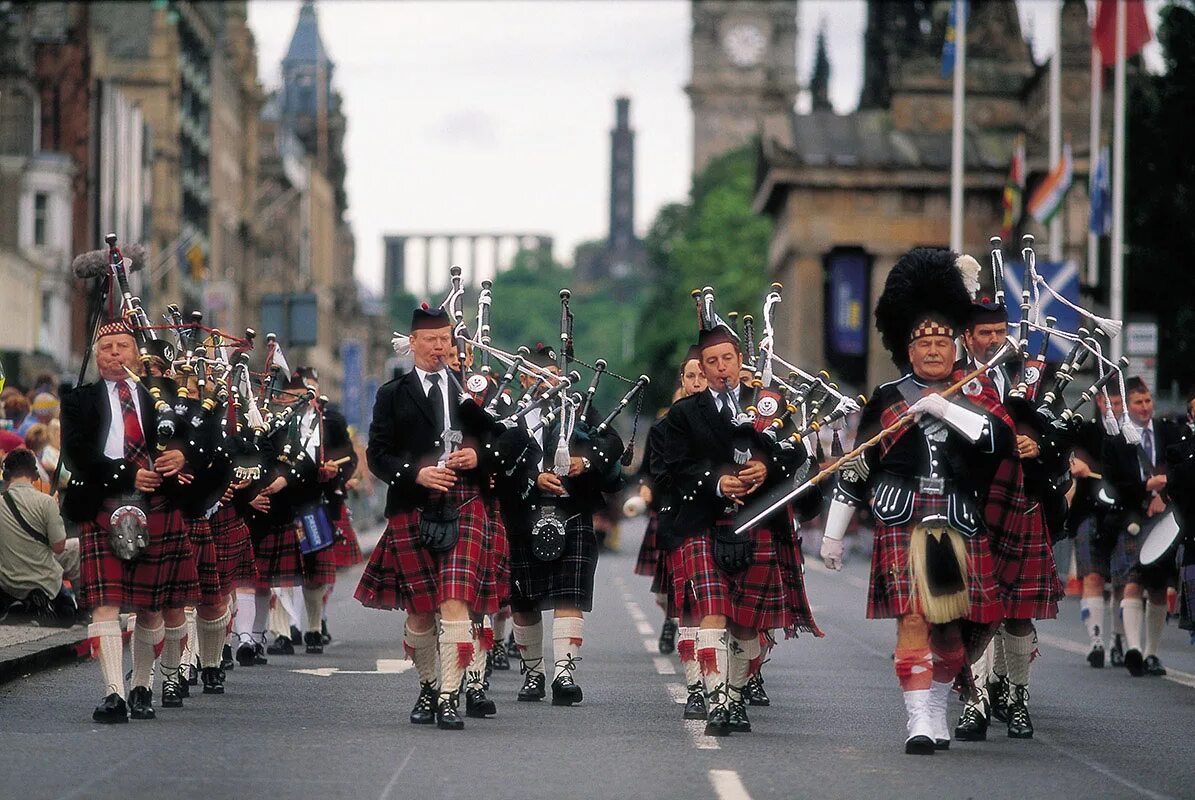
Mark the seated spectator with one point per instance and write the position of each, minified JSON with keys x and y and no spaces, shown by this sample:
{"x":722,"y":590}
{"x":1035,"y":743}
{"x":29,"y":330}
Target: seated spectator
{"x":37,"y":440}
{"x":35,"y":554}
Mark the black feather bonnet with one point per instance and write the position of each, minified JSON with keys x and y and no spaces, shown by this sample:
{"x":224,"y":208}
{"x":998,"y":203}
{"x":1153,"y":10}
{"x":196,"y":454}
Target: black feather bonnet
{"x":923,"y":286}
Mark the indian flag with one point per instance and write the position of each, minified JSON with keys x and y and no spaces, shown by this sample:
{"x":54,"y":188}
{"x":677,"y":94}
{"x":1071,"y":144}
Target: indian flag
{"x":1048,"y":196}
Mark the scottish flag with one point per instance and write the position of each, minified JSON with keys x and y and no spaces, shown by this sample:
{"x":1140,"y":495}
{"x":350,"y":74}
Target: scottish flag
{"x":1063,"y":276}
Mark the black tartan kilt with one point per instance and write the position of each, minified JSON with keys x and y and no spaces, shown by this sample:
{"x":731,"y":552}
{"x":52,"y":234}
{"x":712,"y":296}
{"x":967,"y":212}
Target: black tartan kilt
{"x":567,"y":581}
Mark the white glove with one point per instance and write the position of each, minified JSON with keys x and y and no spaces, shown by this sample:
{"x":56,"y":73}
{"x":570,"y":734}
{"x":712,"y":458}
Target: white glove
{"x":933,"y":404}
{"x":971,"y":424}
{"x":832,"y":552}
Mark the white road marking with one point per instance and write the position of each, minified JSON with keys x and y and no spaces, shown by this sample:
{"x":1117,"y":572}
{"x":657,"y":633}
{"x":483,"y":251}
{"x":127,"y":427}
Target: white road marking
{"x":394,"y":665}
{"x":817,"y":566}
{"x":664,"y":666}
{"x":696,"y":730}
{"x":680,"y":695}
{"x":1102,"y":770}
{"x":644,"y":627}
{"x":1173,"y":675}
{"x":651,"y":646}
{"x":394,"y":778}
{"x":385,"y":666}
{"x":727,"y":785}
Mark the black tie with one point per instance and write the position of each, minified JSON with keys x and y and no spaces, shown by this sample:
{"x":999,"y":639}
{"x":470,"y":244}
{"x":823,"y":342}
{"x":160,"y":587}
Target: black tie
{"x":724,"y":399}
{"x":437,"y":400}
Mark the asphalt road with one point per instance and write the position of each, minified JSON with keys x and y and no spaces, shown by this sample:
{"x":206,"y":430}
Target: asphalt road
{"x":335,"y":726}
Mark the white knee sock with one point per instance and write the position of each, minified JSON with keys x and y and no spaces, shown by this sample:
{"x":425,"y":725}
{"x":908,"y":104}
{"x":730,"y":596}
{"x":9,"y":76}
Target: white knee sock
{"x":981,"y":672}
{"x":712,"y":659}
{"x":686,"y":648}
{"x":567,"y":634}
{"x":999,"y":667}
{"x":327,"y":599}
{"x":313,"y":604}
{"x":740,"y":654}
{"x":1155,"y":623}
{"x":173,"y":641}
{"x":421,"y":649}
{"x":261,"y":615}
{"x":211,"y":634}
{"x":190,"y":650}
{"x":456,"y":651}
{"x":1117,"y":618}
{"x":109,"y":650}
{"x":499,"y":622}
{"x":530,"y":640}
{"x":295,"y":602}
{"x":147,"y":645}
{"x":1094,"y":619}
{"x":1019,"y":651}
{"x":475,"y":674}
{"x":1132,"y":611}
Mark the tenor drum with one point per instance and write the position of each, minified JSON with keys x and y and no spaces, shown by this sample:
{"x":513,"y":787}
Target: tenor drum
{"x":1162,"y":533}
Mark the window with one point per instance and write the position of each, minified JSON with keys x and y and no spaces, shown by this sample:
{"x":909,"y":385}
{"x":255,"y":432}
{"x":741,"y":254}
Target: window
{"x":41,"y":202}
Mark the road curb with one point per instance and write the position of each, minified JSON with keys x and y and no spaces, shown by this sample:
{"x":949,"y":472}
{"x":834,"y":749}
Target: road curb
{"x":23,"y":659}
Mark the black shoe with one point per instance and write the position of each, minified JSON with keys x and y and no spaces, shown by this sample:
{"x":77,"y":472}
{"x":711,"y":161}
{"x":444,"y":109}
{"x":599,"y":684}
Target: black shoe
{"x":1134,"y":663}
{"x":246,"y":654}
{"x":282,"y":646}
{"x":213,"y":680}
{"x":424,"y":712}
{"x":1153,"y":666}
{"x":1116,"y":654}
{"x":512,"y":649}
{"x":313,"y":642}
{"x":498,"y":658}
{"x":533,"y":687}
{"x":1096,"y":657}
{"x":565,"y":692}
{"x":998,"y":697}
{"x":920,"y":746}
{"x":1020,"y":726}
{"x":296,"y":635}
{"x":667,"y":643}
{"x":717,"y":722}
{"x":325,"y":637}
{"x":738,"y":717}
{"x":259,"y":654}
{"x":184,"y":688}
{"x":447,"y":717}
{"x":226,"y":660}
{"x":112,"y":711}
{"x":695,"y":705}
{"x":478,"y":705}
{"x":973,"y":724}
{"x":754,"y":693}
{"x":141,"y":703}
{"x":191,"y":674}
{"x":172,"y":693}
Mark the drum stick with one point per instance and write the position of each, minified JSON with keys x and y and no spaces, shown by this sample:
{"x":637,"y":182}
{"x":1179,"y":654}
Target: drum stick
{"x":339,"y":461}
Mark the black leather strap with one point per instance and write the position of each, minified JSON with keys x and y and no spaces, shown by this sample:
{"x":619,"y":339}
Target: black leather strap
{"x":12,"y":506}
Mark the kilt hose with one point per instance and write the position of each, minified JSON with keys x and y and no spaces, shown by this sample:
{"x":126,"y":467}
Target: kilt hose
{"x":648,"y":559}
{"x":792,"y":574}
{"x":890,"y":590}
{"x":234,"y":548}
{"x":346,"y":552}
{"x":212,"y":590}
{"x":566,"y":581}
{"x":1023,"y":564}
{"x":754,"y":598}
{"x":402,"y":574}
{"x":163,"y":576}
{"x":280,"y":562}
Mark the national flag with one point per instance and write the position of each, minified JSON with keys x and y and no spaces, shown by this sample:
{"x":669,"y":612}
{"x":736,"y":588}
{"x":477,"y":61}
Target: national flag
{"x":1014,"y":190}
{"x":1063,"y":277}
{"x":1136,"y":27}
{"x":1048,"y":196}
{"x":1101,"y":194}
{"x":948,"y":46}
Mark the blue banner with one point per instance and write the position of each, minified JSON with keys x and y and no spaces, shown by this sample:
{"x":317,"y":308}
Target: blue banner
{"x":1063,"y":277}
{"x":351,"y":391}
{"x":846,"y":308}
{"x":948,"y":46}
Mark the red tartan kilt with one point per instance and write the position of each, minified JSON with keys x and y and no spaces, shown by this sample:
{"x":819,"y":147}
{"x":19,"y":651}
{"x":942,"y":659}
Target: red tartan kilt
{"x":792,"y":573}
{"x":234,"y":548}
{"x":163,"y":576}
{"x":649,"y":556}
{"x":212,"y":590}
{"x":495,"y":587}
{"x":279,"y":560}
{"x":401,"y":574}
{"x":347,"y":550}
{"x":890,"y":590}
{"x":661,"y":580}
{"x":1026,"y":574}
{"x":753,"y":598}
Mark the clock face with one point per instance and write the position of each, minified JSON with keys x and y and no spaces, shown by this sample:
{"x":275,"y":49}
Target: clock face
{"x":745,"y":44}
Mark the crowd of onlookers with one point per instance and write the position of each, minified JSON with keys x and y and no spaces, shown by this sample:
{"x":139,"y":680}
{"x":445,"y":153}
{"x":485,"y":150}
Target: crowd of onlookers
{"x":38,"y":562}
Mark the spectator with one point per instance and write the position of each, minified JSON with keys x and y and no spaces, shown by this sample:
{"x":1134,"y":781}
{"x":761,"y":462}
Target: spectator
{"x":16,"y":408}
{"x":35,"y":554}
{"x":45,"y":382}
{"x":37,"y":440}
{"x":43,"y":410}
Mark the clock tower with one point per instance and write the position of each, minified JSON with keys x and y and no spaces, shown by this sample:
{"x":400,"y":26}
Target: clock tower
{"x":744,"y":73}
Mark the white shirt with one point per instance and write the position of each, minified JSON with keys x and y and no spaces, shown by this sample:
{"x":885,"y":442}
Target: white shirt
{"x":114,"y":444}
{"x":718,"y":398}
{"x":427,"y":385}
{"x":999,"y":378}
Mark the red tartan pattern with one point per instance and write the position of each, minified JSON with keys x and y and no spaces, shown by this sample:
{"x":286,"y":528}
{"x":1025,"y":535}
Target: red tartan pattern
{"x":753,"y":598}
{"x":319,"y":569}
{"x":890,"y":590}
{"x":649,"y":555}
{"x":347,"y":549}
{"x":1023,"y":561}
{"x":661,"y":580}
{"x":495,"y":586}
{"x":401,"y":574}
{"x":163,"y":576}
{"x":276,"y":551}
{"x":234,"y":548}
{"x":212,"y":591}
{"x":792,"y":574}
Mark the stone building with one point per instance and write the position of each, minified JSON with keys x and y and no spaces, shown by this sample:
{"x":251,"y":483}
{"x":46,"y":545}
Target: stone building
{"x":850,"y":193}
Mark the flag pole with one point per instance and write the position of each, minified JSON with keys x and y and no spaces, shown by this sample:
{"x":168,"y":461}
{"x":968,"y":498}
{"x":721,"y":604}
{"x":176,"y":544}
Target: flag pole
{"x":1055,"y":231}
{"x":956,"y":142}
{"x":1093,"y":151}
{"x":1118,"y":120}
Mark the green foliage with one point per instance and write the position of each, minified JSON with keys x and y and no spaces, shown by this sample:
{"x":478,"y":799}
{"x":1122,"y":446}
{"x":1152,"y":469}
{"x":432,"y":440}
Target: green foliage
{"x":1160,"y":197}
{"x":714,"y":240}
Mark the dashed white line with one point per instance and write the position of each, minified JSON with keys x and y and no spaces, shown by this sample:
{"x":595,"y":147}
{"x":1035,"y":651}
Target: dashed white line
{"x":663,"y":666}
{"x":696,"y":731}
{"x":644,"y":627}
{"x":680,"y":695}
{"x":651,"y":646}
{"x":728,"y":785}
{"x":1174,"y":675}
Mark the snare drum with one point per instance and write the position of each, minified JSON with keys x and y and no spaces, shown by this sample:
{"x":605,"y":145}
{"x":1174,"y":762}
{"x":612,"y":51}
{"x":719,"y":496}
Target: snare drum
{"x":1162,"y":533}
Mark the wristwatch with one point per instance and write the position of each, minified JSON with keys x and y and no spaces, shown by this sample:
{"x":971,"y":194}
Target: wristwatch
{"x":586,"y":463}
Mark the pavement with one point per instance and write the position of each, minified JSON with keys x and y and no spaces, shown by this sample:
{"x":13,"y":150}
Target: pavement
{"x":334,"y":725}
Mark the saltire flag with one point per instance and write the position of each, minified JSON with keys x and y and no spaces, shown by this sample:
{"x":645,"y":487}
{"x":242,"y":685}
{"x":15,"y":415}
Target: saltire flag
{"x":1063,"y":277}
{"x":1014,"y":191}
{"x":1048,"y":196}
{"x":1101,"y":194}
{"x":948,"y":46}
{"x":1136,"y":36}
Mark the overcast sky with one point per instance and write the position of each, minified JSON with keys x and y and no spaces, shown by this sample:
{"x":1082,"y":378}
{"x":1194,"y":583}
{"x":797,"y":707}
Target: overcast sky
{"x":495,"y":116}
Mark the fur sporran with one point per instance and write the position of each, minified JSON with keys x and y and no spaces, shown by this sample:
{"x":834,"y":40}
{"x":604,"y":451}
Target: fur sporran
{"x":939,"y":572}
{"x":128,"y":529}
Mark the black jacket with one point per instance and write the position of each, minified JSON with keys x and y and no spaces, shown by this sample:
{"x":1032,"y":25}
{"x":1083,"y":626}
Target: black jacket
{"x":1123,"y":465}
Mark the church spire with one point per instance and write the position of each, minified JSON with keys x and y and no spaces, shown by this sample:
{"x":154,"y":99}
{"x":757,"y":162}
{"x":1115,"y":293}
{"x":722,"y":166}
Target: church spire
{"x":819,"y":82}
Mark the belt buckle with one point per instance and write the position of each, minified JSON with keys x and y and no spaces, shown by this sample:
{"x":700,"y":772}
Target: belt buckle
{"x":933,"y":485}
